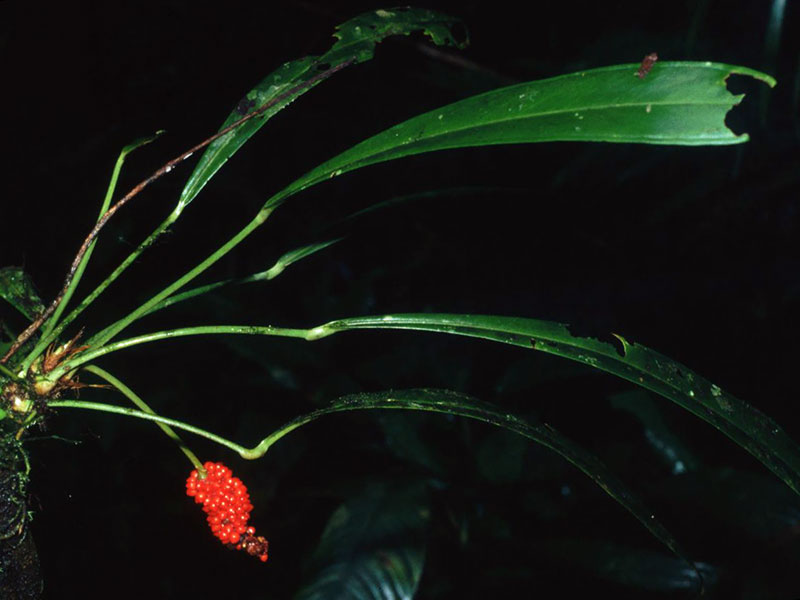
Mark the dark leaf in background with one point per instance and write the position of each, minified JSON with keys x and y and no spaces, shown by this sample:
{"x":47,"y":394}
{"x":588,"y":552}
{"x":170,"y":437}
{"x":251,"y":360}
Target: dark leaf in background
{"x":665,"y":442}
{"x":373,"y":546}
{"x":16,"y":288}
{"x":453,"y":403}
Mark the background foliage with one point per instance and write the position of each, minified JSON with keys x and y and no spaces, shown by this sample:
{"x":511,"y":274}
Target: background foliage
{"x":687,"y":250}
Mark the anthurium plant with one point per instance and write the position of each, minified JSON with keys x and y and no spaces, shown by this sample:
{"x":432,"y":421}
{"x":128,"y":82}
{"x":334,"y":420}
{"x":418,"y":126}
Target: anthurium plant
{"x":57,"y":361}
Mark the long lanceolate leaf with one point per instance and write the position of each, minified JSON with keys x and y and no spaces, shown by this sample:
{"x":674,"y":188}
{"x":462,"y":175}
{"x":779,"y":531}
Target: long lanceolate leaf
{"x":740,"y":421}
{"x":681,"y":103}
{"x":279,"y":267}
{"x":448,"y":402}
{"x":677,"y":103}
{"x":356,"y":40}
{"x":744,"y":424}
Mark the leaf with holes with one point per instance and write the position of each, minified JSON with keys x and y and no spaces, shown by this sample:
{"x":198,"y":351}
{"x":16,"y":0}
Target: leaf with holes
{"x":747,"y":426}
{"x":682,"y":103}
{"x":356,"y":40}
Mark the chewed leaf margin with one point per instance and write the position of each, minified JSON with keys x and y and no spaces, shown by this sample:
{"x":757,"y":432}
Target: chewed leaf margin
{"x":356,"y":41}
{"x":679,"y":103}
{"x":743,"y":423}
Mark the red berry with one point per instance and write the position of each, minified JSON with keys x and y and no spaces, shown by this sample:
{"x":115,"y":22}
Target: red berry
{"x":226,"y":502}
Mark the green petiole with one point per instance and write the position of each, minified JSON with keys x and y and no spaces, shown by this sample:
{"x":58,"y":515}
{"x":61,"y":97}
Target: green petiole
{"x":142,"y":405}
{"x":49,"y":330}
{"x":92,"y":354}
{"x":132,"y":412}
{"x":112,"y":330}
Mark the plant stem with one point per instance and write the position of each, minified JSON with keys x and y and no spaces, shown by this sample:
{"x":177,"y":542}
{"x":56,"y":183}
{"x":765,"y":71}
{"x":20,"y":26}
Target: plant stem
{"x":112,"y":330}
{"x":282,"y":263}
{"x":166,"y":168}
{"x":279,"y":267}
{"x":89,"y":355}
{"x":131,"y":412}
{"x":198,"y":291}
{"x":50,"y":324}
{"x":99,"y":289}
{"x":8,"y":372}
{"x":142,"y":405}
{"x":256,"y":451}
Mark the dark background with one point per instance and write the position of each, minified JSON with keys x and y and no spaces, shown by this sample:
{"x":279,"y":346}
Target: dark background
{"x":691,"y":251}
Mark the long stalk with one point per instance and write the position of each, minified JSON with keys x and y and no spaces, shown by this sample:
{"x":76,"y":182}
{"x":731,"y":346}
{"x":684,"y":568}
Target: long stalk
{"x":143,"y":406}
{"x":253,"y":453}
{"x":266,"y":443}
{"x":132,"y":412}
{"x":109,"y":332}
{"x":166,"y":168}
{"x":279,"y":267}
{"x":92,"y":354}
{"x":112,"y":186}
{"x":46,"y":341}
{"x":542,"y":434}
{"x":8,"y":372}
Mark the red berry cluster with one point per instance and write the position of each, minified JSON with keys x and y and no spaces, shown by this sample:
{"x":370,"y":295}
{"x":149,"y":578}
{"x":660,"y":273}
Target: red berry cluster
{"x":227,"y":503}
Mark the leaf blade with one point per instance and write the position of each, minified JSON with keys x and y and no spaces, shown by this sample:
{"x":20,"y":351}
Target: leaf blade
{"x":448,"y":402}
{"x":373,"y":546}
{"x":356,"y":41}
{"x":744,"y":424}
{"x":284,"y":261}
{"x":678,"y":103}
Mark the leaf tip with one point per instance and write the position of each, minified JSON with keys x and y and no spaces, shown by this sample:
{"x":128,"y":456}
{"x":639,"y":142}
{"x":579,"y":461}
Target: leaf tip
{"x":623,"y":351}
{"x":758,"y":75}
{"x":742,"y":138}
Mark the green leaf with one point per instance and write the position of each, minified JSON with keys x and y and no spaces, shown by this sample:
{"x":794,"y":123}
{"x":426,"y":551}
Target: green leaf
{"x":453,"y":403}
{"x":373,"y":547}
{"x":51,"y":323}
{"x":16,"y":288}
{"x":677,"y":103}
{"x":7,"y":337}
{"x":287,"y":259}
{"x":356,"y":40}
{"x":747,"y":426}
